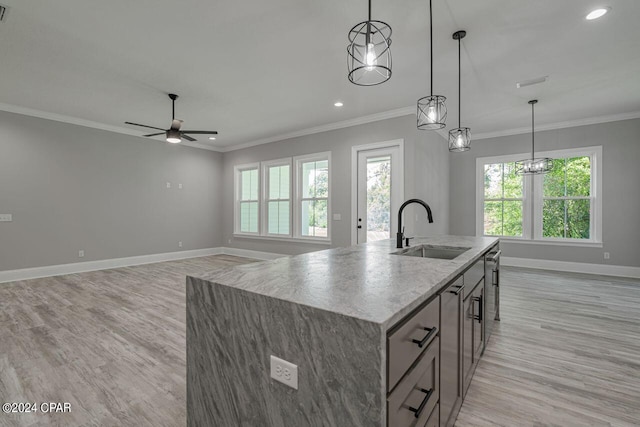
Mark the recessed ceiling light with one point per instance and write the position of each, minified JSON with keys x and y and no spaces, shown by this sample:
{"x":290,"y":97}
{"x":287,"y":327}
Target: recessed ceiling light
{"x":213,"y":138}
{"x":338,"y":104}
{"x":597,"y":13}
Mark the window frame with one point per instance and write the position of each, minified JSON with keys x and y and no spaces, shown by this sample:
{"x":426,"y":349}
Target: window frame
{"x":295,"y":205}
{"x":526,"y":196}
{"x":265,"y":199}
{"x":237,"y":171}
{"x":595,"y":226}
{"x":533,"y":198}
{"x":297,"y":214}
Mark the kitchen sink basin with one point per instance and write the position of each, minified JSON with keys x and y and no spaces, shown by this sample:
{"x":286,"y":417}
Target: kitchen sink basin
{"x":428,"y":251}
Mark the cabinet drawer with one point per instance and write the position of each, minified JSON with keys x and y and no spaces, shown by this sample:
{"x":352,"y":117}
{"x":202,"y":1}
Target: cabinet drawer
{"x":473,"y":275}
{"x":407,"y":343}
{"x":434,"y":419}
{"x":418,"y":392}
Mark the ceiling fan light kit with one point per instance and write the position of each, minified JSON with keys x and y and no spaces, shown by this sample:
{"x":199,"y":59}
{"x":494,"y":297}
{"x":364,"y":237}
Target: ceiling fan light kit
{"x":459,"y":138}
{"x":432,"y":109}
{"x":533,"y":166}
{"x":369,"y":52}
{"x":174,"y":134}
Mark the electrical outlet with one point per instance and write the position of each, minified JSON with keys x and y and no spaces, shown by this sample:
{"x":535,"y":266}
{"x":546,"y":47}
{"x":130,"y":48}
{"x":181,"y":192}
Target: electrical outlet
{"x":337,"y":217}
{"x":607,"y":255}
{"x":179,"y":244}
{"x":168,"y":184}
{"x":6,"y":218}
{"x":81,"y":253}
{"x":285,"y":372}
{"x":229,"y":240}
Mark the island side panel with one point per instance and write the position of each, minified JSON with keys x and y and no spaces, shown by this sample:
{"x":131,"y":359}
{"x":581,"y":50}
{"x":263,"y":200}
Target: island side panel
{"x":231,"y":334}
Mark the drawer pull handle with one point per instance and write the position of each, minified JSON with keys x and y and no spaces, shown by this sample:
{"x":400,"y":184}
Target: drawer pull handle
{"x":420,"y":408}
{"x":457,"y":291}
{"x":478,"y":317}
{"x":422,"y":342}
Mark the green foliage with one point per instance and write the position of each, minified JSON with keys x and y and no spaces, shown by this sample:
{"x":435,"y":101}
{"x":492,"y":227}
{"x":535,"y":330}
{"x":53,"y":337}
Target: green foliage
{"x":566,"y":206}
{"x":378,"y":196}
{"x":502,"y":217}
{"x":566,"y":209}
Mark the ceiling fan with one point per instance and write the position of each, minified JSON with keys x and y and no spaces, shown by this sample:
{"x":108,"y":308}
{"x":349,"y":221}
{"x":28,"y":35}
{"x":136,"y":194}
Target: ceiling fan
{"x":174,"y":134}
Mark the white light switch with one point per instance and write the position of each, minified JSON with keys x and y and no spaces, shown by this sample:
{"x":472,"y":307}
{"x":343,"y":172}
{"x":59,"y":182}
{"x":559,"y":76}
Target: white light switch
{"x":168,"y":185}
{"x":6,"y":217}
{"x":337,"y":217}
{"x":179,"y":186}
{"x":285,"y":372}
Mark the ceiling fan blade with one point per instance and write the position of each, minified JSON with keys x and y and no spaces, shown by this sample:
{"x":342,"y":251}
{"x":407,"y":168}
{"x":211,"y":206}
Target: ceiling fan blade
{"x":176,"y":124}
{"x":144,"y":126}
{"x":188,"y":138}
{"x":201,"y":132}
{"x":155,"y":134}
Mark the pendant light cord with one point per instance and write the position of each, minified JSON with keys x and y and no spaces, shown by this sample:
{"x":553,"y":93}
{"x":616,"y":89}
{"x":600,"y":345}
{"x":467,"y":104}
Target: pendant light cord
{"x":369,"y":10}
{"x":431,"y":42}
{"x":173,"y":109}
{"x":533,"y":138}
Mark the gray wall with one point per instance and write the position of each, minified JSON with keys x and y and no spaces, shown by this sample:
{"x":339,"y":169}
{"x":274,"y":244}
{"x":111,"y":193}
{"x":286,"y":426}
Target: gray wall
{"x":621,"y":189}
{"x":71,"y":187}
{"x":426,"y":168}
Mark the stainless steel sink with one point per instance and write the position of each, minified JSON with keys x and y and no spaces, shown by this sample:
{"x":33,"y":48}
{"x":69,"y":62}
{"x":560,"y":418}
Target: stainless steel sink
{"x":428,"y":251}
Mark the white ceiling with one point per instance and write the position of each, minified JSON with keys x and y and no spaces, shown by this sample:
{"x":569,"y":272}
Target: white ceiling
{"x":255,"y":70}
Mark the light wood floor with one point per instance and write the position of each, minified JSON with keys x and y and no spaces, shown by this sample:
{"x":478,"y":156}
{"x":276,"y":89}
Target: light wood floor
{"x":566,"y":353}
{"x":112,"y":343}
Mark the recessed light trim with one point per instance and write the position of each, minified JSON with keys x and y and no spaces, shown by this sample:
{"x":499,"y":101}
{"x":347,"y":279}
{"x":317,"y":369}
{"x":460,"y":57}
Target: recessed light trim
{"x":597,"y":13}
{"x":338,"y":104}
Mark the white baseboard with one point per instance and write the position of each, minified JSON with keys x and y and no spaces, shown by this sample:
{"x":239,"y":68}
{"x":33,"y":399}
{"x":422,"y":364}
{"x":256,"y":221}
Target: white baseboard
{"x":81,"y":267}
{"x":574,"y":267}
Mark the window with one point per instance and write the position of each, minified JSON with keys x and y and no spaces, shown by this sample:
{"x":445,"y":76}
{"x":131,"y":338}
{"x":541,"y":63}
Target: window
{"x":247,"y":190}
{"x":503,"y":200}
{"x":278,"y":197}
{"x":562,"y":206}
{"x":276,"y":208}
{"x":566,"y":199}
{"x":313,"y":196}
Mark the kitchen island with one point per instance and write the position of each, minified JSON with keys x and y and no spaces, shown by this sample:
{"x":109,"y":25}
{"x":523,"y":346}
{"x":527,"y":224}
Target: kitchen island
{"x":362,"y":324}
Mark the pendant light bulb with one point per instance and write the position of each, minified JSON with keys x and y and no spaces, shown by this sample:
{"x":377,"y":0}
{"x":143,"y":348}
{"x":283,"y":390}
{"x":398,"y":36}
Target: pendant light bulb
{"x":370,"y":57}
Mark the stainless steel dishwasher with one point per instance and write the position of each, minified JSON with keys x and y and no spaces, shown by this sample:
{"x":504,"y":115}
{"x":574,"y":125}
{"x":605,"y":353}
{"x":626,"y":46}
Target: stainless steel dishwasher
{"x":492,"y":290}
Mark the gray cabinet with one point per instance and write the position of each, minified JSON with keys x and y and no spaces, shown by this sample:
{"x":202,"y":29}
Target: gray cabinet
{"x":451,"y":351}
{"x":492,"y":290}
{"x":473,"y":336}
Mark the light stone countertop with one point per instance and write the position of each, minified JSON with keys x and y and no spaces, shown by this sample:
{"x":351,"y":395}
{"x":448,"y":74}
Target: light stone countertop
{"x":365,"y":281}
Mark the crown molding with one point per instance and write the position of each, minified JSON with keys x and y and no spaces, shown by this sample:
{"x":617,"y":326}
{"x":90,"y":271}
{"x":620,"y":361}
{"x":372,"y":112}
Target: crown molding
{"x":400,"y":112}
{"x":87,"y":123}
{"x":560,"y":125}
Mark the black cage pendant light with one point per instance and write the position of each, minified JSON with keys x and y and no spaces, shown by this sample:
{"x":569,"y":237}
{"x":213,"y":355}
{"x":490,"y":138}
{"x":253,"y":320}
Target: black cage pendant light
{"x":432,"y":110}
{"x":533,"y":166}
{"x":459,"y":138}
{"x":369,"y":52}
